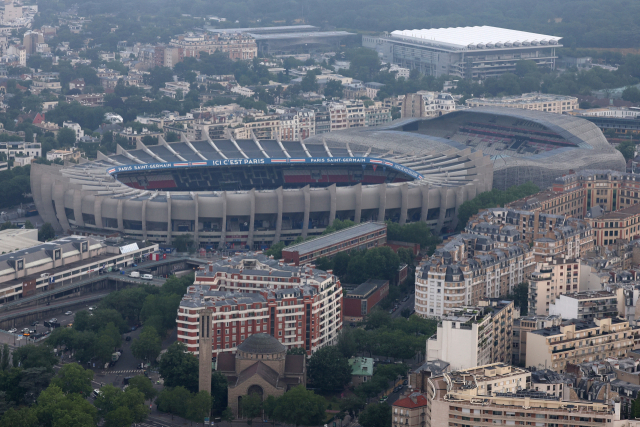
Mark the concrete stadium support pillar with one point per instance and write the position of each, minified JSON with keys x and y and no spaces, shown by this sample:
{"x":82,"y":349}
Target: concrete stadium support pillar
{"x":461,"y":193}
{"x":144,"y":219}
{"x":280,"y":194}
{"x":120,"y":216}
{"x":97,"y":211}
{"x":424,"y":210}
{"x":382,"y":192}
{"x":196,"y":216}
{"x":307,"y":210}
{"x":223,"y":234}
{"x":404,"y":203}
{"x":252,"y":218}
{"x":42,"y":190}
{"x":58,"y":199}
{"x":358,"y":213}
{"x":444,"y":199}
{"x":169,"y":224}
{"x":332,"y":209}
{"x":77,"y":207}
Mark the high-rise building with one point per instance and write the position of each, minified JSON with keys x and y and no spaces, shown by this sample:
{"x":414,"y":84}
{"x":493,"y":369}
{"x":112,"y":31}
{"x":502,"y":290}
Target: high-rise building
{"x":474,"y":336}
{"x":249,"y":294}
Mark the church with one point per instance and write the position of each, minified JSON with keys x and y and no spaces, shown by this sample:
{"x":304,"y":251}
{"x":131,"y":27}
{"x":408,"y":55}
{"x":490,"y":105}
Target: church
{"x":260,"y":366}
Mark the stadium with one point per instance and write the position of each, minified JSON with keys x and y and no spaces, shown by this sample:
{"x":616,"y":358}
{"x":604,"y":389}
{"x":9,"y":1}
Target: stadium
{"x":524,"y":145}
{"x":252,"y":193}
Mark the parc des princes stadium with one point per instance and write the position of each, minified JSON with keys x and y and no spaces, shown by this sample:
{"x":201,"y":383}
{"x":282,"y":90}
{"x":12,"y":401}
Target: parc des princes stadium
{"x":252,"y":193}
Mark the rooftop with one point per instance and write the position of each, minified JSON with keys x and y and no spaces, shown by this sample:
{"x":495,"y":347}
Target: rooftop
{"x":361,"y":366}
{"x":335,"y":237}
{"x":478,"y":37}
{"x":366,"y":288}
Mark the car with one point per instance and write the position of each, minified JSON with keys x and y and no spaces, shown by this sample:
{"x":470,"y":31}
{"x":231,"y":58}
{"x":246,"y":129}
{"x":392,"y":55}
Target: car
{"x":96,"y":392}
{"x":383,"y":399}
{"x":91,"y":308}
{"x":391,"y":311}
{"x":13,"y":330}
{"x":128,"y":338}
{"x":25,"y":330}
{"x":68,"y":313}
{"x":36,"y":323}
{"x":405,"y":382}
{"x":70,"y":325}
{"x":53,"y":319}
{"x":146,"y":277}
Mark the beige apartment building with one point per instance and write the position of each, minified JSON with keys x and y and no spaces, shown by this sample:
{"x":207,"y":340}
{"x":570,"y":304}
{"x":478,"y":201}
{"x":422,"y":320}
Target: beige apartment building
{"x":551,"y":279}
{"x":501,"y":395}
{"x":578,"y":341}
{"x":466,"y":269}
{"x":529,"y":101}
{"x":526,"y":324}
{"x":550,"y":234}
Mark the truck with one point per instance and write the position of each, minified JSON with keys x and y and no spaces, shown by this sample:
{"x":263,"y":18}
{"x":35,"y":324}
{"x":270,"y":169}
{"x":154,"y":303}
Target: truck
{"x":135,"y":274}
{"x":115,"y":356}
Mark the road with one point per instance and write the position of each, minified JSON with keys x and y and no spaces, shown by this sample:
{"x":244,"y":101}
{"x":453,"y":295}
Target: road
{"x":405,"y":304}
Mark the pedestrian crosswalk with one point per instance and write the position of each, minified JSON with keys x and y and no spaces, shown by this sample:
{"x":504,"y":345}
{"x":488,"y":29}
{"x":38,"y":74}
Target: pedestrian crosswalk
{"x":128,"y":371}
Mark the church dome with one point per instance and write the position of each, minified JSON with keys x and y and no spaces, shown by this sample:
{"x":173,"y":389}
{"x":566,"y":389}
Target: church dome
{"x":261,"y":344}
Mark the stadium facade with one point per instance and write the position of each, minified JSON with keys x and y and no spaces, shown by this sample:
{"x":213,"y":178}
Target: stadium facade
{"x":466,"y":52}
{"x":229,"y":193}
{"x":253,"y":193}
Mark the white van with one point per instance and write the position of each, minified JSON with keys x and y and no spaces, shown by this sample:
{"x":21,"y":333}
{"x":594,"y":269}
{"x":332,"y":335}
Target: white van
{"x":146,"y":277}
{"x":134,"y":274}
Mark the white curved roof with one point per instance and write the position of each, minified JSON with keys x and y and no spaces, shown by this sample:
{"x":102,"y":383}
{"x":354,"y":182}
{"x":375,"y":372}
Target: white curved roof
{"x":465,"y":36}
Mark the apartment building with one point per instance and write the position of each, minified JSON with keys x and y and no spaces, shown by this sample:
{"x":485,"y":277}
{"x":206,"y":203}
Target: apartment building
{"x":474,"y":336}
{"x":526,"y":324}
{"x":577,"y":341}
{"x":559,"y":276}
{"x":621,"y":224}
{"x":338,"y":116}
{"x":501,"y":395}
{"x":409,"y":411}
{"x":575,"y":194}
{"x":251,"y":293}
{"x":529,"y":101}
{"x":550,"y":234}
{"x":466,"y":269}
{"x":377,"y":115}
{"x":237,"y":45}
{"x":426,"y":104}
{"x":21,"y":149}
{"x":588,"y":305}
{"x":297,"y":124}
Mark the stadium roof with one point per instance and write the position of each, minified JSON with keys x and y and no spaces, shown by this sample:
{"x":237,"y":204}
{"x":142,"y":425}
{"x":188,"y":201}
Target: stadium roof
{"x":467,"y":36}
{"x":264,"y":29}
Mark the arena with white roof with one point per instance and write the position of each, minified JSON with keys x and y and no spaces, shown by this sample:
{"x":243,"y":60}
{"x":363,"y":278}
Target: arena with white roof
{"x":467,"y":52}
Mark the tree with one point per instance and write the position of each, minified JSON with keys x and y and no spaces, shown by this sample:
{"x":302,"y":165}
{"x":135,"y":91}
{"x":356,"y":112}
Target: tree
{"x":219,"y":395}
{"x":300,"y":406}
{"x":199,"y":406}
{"x":346,"y":344}
{"x":333,"y":89}
{"x":520,"y":297}
{"x":144,"y":385}
{"x":121,"y":408}
{"x":275,"y":250}
{"x":55,"y":409}
{"x":73,"y":378}
{"x":183,"y":243}
{"x":524,"y":67}
{"x":309,"y":83}
{"x":148,"y":345}
{"x":251,"y":407}
{"x":376,"y":415}
{"x":34,"y":356}
{"x":66,"y":137}
{"x":23,"y":417}
{"x":627,"y":148}
{"x":227,"y":415}
{"x":46,"y":232}
{"x":28,"y":225}
{"x":297,"y":351}
{"x":329,"y":370}
{"x":174,"y":400}
{"x":631,"y":94}
{"x":179,"y":367}
{"x":4,"y":363}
